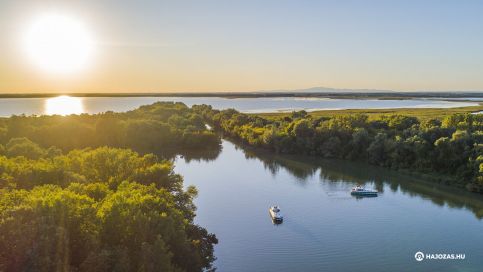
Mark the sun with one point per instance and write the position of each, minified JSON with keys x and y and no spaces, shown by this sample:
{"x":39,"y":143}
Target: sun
{"x":58,"y":43}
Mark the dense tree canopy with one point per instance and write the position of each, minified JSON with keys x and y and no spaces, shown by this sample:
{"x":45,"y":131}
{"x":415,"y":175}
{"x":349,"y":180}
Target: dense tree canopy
{"x":447,"y":150}
{"x":71,"y":201}
{"x":161,"y":128}
{"x":104,"y":209}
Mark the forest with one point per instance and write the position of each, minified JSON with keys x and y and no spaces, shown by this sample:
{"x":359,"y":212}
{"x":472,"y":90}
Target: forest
{"x":161,"y":128}
{"x":446,"y":150}
{"x":85,"y":193}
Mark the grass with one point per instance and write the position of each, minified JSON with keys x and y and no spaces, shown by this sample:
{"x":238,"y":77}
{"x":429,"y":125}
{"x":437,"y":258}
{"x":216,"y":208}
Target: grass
{"x":426,"y":113}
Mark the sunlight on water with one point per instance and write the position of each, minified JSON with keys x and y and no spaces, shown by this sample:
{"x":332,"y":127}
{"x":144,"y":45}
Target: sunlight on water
{"x":64,"y":105}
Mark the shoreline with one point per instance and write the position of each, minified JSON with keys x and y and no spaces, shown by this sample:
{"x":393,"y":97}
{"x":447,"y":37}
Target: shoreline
{"x":333,"y":95}
{"x":426,"y":178}
{"x":375,"y":113}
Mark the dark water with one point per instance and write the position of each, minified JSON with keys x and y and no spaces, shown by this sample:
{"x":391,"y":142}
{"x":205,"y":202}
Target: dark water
{"x":325,"y":228}
{"x":77,"y":105}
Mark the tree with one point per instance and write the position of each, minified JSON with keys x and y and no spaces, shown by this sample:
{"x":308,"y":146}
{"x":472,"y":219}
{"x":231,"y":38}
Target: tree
{"x":128,"y":213}
{"x":24,"y":147}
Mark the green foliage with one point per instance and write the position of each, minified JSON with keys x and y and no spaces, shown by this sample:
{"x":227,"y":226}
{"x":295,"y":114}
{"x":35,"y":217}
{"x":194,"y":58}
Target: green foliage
{"x":448,"y":148}
{"x":72,"y":198}
{"x":104,"y":209}
{"x":24,"y":147}
{"x":162,"y":128}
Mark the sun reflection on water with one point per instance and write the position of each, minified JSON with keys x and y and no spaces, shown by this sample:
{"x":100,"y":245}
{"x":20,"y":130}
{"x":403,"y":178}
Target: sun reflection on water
{"x":64,"y":105}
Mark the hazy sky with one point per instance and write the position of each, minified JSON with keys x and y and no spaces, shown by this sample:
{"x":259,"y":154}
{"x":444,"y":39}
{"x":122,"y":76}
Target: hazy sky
{"x":143,"y":46}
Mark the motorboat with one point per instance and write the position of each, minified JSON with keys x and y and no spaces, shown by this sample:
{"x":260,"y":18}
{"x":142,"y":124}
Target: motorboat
{"x":275,"y":214}
{"x":361,"y":191}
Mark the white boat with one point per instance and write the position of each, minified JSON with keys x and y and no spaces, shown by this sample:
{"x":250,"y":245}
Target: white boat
{"x":275,"y":214}
{"x":361,"y":191}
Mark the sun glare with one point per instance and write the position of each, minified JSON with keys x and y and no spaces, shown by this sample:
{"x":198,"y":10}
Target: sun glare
{"x":64,"y":105}
{"x":58,"y":44}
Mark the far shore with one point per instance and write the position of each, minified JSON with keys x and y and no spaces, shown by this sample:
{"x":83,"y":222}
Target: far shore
{"x":423,"y":113}
{"x":332,"y":94}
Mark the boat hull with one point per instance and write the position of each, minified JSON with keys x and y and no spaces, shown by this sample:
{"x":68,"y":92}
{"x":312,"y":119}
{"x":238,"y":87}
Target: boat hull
{"x":364,"y":193}
{"x":275,"y":217}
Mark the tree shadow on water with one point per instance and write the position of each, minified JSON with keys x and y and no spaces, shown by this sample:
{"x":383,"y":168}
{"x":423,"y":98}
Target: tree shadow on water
{"x":302,"y":168}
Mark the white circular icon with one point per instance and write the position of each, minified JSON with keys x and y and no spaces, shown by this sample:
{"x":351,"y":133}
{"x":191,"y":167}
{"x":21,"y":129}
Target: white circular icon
{"x":419,"y":256}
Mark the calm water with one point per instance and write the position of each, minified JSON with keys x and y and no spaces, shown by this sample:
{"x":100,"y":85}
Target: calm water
{"x":76,"y":105}
{"x":325,"y":228}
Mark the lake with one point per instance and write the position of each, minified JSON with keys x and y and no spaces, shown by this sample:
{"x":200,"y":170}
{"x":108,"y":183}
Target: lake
{"x":77,"y":105}
{"x":325,"y":228}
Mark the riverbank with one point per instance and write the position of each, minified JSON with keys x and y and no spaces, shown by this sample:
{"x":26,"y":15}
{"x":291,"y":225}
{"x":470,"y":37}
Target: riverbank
{"x":440,"y":145}
{"x":423,"y":113}
{"x":425,"y":177}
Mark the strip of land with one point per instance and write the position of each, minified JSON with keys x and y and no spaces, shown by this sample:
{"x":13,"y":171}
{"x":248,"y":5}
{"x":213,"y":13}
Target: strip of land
{"x":421,"y":113}
{"x":335,"y":94}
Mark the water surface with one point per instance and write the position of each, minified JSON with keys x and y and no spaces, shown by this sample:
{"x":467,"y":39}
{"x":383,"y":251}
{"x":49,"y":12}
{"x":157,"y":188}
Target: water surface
{"x":325,"y":228}
{"x":76,"y":105}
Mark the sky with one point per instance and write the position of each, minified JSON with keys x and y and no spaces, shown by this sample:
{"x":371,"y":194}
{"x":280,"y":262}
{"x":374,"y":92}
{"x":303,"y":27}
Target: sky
{"x":203,"y":46}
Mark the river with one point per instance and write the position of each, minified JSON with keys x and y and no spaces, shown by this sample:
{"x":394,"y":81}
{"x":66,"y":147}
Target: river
{"x":325,"y":228}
